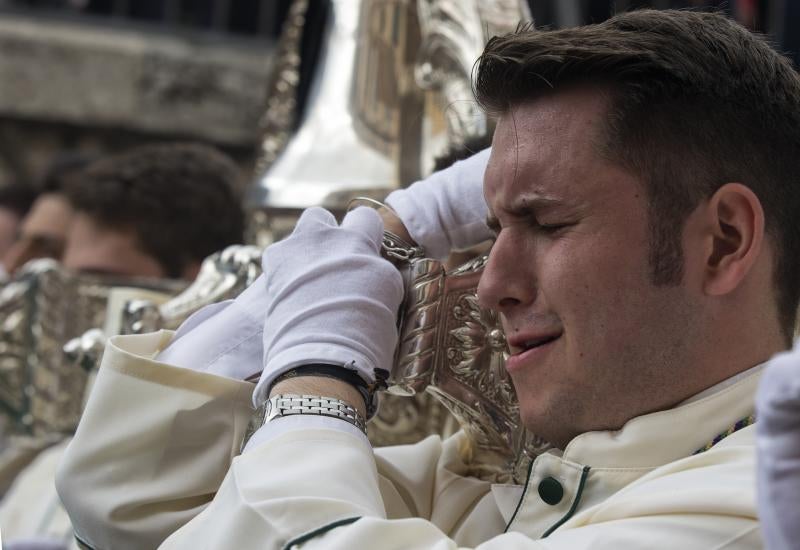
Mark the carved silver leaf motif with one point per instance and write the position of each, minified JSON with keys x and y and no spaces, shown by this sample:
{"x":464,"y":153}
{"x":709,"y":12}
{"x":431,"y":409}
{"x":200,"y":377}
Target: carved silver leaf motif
{"x":478,"y":352}
{"x":281,"y":97}
{"x":41,"y":388}
{"x":464,"y":351}
{"x":403,"y":420}
{"x":223,"y":275}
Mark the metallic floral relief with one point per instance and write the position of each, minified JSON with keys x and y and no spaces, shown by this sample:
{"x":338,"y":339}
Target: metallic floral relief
{"x":455,"y":350}
{"x":419,"y":314}
{"x":404,"y":420}
{"x":478,"y":350}
{"x":454,"y":33}
{"x":41,"y":388}
{"x":222,"y":276}
{"x":281,"y":98}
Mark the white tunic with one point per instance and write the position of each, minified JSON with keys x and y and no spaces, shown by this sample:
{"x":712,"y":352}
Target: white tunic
{"x":154,"y":461}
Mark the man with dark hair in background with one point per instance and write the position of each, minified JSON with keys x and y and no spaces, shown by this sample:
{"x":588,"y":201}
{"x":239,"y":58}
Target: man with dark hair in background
{"x":43,"y":230}
{"x":152,"y":211}
{"x":642,"y":189}
{"x":156,"y":211}
{"x":15,"y":201}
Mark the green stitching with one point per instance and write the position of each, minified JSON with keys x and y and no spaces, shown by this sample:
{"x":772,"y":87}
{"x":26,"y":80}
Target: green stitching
{"x":319,"y":531}
{"x":522,"y":498}
{"x":574,"y":506}
{"x":82,"y":544}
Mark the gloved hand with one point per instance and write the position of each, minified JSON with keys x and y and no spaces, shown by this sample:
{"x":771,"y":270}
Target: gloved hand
{"x":446,"y":211}
{"x":778,"y":446}
{"x":331,"y":297}
{"x":442,"y":212}
{"x":223,"y":338}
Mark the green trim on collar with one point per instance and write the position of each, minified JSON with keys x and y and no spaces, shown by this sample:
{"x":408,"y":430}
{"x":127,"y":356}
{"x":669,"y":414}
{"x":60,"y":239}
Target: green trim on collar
{"x":82,"y":544}
{"x":522,"y":497}
{"x":574,"y":506}
{"x":318,"y":531}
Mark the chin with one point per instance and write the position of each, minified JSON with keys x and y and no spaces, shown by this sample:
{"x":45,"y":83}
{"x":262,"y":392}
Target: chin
{"x":537,"y":421}
{"x":542,"y":419}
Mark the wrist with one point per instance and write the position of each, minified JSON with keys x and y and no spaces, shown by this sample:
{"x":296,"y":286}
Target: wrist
{"x":318,"y":385}
{"x":393,"y":223}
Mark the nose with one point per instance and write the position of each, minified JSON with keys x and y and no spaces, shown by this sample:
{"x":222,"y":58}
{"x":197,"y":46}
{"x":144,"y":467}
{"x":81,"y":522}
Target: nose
{"x":507,"y":280}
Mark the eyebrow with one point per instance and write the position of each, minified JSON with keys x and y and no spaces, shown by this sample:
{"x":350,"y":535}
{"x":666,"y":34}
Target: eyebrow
{"x":522,"y":208}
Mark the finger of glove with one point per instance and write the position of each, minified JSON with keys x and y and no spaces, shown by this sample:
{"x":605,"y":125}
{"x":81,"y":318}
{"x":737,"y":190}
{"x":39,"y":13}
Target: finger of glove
{"x":312,"y":218}
{"x":318,"y":239}
{"x":446,"y":210}
{"x":366,"y":221}
{"x":335,"y":308}
{"x":778,"y":396}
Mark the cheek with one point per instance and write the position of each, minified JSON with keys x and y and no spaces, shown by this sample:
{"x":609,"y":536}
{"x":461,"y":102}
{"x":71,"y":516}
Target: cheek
{"x":594,"y":283}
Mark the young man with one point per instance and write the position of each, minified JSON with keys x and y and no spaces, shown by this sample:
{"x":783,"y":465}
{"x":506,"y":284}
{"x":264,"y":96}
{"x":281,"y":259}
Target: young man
{"x":152,"y":211}
{"x":155,"y":210}
{"x":42,"y":232}
{"x":642,"y":190}
{"x":15,"y":202}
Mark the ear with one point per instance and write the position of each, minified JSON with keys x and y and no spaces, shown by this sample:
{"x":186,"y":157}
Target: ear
{"x":737,"y":236}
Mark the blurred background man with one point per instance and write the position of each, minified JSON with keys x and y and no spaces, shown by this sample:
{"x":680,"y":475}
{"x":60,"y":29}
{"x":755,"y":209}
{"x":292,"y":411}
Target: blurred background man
{"x":154,"y":211}
{"x":15,"y":201}
{"x":42,"y":233}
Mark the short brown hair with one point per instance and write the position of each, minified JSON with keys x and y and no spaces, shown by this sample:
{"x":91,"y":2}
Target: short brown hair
{"x":697,"y":101}
{"x":183,"y":200}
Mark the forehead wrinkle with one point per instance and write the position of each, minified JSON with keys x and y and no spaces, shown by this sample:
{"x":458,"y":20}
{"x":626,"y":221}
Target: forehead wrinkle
{"x":516,"y":150}
{"x":530,"y":158}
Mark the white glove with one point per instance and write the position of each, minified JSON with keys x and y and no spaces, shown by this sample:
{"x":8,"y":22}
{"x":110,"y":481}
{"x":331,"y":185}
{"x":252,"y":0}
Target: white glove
{"x":331,"y":297}
{"x":442,"y":212}
{"x":446,"y":211}
{"x":223,"y":338}
{"x":778,"y":445}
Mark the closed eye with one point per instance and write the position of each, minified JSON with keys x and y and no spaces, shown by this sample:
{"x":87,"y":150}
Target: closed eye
{"x":553,"y":227}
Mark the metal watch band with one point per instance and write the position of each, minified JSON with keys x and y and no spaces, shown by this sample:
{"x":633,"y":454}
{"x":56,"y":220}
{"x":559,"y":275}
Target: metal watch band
{"x":367,"y":390}
{"x":289,"y":404}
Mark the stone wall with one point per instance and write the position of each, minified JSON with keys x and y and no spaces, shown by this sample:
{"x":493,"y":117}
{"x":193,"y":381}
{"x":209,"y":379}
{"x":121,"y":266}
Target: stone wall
{"x":79,"y":85}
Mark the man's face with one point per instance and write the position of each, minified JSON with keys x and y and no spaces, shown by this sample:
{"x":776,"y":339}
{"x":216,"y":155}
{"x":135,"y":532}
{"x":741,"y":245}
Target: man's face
{"x":96,"y":248}
{"x":9,"y":225}
{"x":42,"y":233}
{"x":593,"y":341}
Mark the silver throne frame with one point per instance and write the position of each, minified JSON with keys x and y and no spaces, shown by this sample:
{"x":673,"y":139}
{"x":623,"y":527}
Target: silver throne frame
{"x":45,"y":306}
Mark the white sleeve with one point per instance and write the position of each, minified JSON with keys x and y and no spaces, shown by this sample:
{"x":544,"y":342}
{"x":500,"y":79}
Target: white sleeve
{"x":225,"y":338}
{"x":280,"y":426}
{"x":446,"y":211}
{"x":778,"y":427}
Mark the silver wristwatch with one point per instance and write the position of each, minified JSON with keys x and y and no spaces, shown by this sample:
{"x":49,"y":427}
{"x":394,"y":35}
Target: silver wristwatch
{"x":278,"y":406}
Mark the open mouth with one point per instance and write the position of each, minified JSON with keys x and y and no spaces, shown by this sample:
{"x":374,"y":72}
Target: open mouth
{"x":530,"y":344}
{"x":526,"y":353}
{"x":535,"y":343}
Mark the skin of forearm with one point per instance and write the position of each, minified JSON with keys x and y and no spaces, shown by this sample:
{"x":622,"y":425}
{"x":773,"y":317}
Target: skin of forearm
{"x":392,"y":223}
